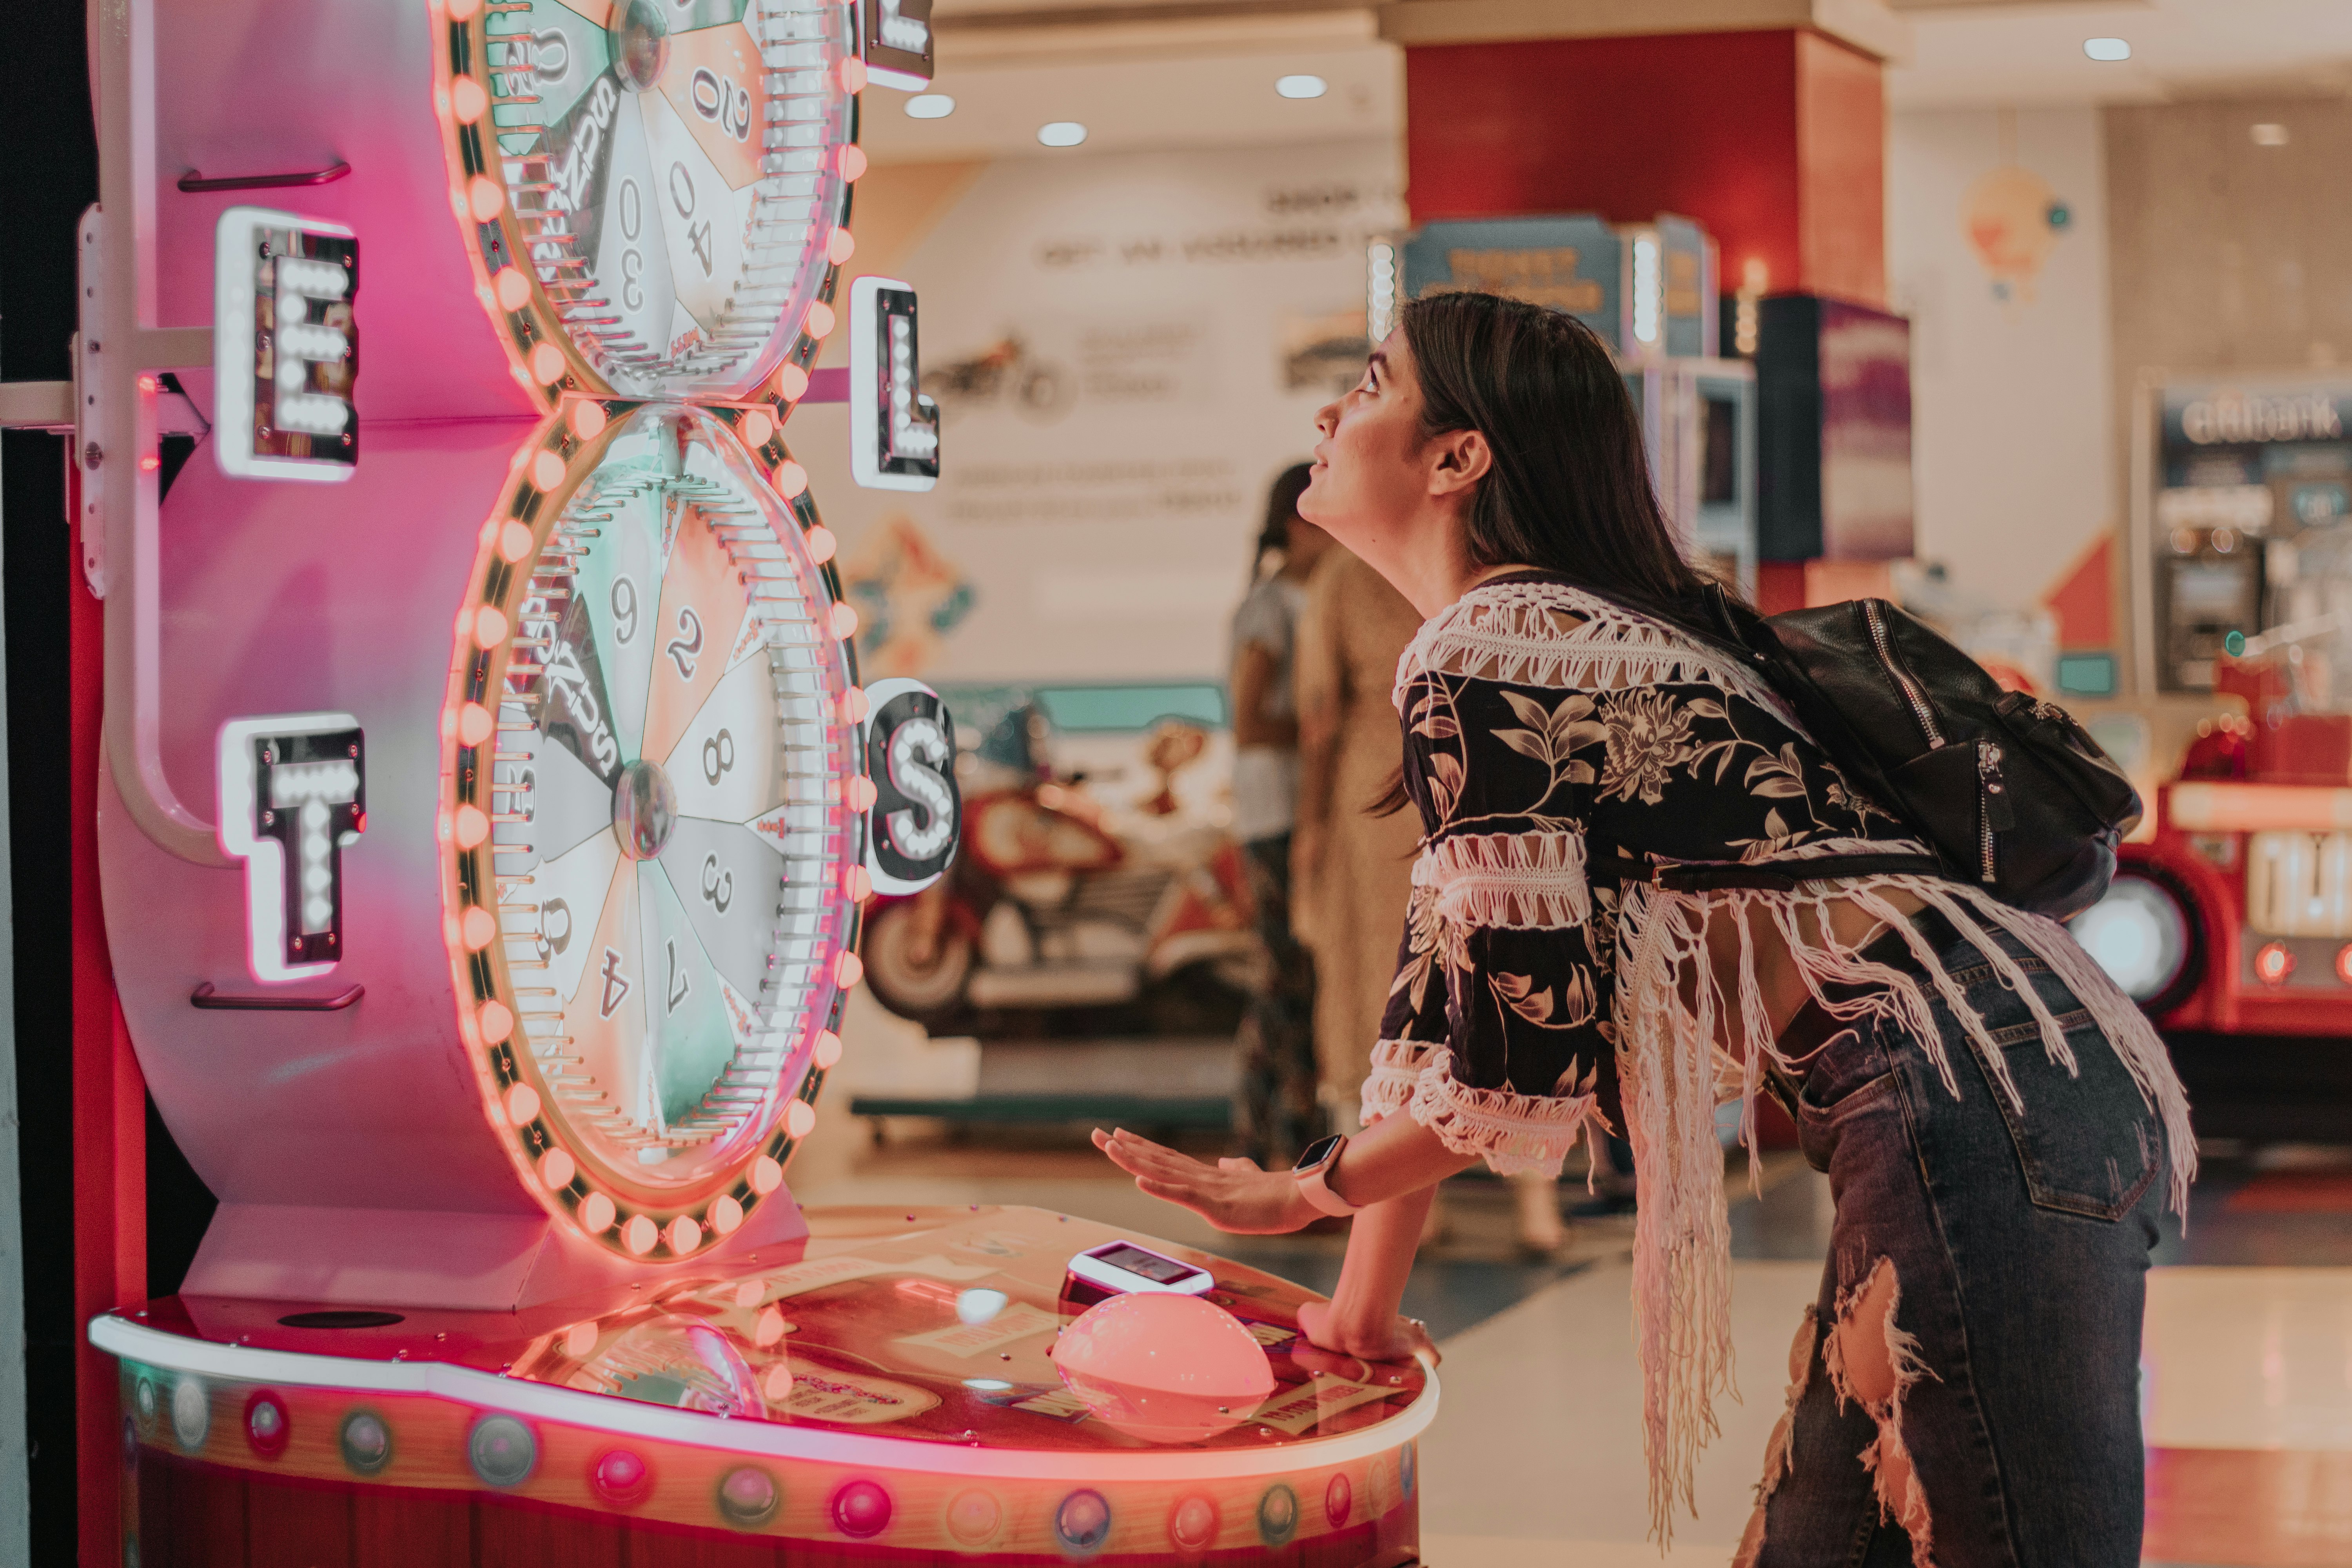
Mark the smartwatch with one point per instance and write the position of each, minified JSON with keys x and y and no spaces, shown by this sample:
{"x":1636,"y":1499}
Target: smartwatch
{"x":1314,"y":1165}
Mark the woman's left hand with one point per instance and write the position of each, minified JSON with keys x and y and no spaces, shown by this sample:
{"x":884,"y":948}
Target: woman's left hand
{"x":1234,"y":1196}
{"x":1398,"y":1338}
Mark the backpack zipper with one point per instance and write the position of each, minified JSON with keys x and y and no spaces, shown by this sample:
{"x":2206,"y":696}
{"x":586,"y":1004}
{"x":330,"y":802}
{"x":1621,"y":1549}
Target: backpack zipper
{"x":1879,"y":639}
{"x":1993,"y":814}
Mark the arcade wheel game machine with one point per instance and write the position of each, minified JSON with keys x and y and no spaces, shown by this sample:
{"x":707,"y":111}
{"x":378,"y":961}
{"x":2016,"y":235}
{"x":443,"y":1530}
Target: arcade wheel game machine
{"x":487,"y":805}
{"x":2231,"y":921}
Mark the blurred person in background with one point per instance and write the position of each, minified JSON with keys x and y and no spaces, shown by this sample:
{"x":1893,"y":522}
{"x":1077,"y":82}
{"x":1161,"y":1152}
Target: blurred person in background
{"x":1275,"y":1113}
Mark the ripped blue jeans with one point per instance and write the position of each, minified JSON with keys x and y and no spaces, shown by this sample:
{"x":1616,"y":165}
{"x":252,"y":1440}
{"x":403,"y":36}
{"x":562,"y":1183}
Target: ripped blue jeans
{"x":1966,"y":1390}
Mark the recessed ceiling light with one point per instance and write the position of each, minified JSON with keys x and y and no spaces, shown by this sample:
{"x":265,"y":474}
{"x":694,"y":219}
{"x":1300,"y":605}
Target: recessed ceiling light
{"x":929,"y":106}
{"x":2106,"y":48}
{"x":1062,"y":134}
{"x":2269,"y":135}
{"x":1301,"y":85}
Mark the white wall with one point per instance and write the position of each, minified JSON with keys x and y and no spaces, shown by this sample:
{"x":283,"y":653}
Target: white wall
{"x":2011,"y":414}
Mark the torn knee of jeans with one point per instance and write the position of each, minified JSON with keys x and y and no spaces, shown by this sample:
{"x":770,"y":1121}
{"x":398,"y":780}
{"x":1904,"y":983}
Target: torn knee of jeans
{"x":1872,"y":1360}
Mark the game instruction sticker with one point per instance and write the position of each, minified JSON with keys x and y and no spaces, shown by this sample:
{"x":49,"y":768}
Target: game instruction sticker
{"x":1269,"y":1334}
{"x":854,"y":1398}
{"x":1293,"y":1411}
{"x":1018,"y":1321}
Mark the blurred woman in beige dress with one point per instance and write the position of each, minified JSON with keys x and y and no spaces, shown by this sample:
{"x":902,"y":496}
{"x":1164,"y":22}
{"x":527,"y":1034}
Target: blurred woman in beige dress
{"x":1351,"y":872}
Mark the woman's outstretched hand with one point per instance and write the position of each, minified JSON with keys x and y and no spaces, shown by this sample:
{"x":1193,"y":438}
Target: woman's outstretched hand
{"x":1234,"y":1196}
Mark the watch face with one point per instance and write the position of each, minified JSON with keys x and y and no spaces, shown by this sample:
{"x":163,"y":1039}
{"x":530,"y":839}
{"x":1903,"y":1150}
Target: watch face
{"x":1315,"y":1153}
{"x":658,"y":910}
{"x":652,"y":185}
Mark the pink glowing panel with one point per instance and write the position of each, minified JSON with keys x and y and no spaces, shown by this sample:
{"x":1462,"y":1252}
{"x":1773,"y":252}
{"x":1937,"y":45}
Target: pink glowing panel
{"x":1165,"y":1367}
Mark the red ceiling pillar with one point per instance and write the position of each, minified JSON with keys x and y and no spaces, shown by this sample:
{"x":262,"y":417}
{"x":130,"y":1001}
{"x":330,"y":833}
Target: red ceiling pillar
{"x":1774,"y":140}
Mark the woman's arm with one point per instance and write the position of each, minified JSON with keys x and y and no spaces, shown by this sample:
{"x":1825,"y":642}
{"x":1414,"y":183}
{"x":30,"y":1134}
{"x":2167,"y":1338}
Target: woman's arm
{"x":1252,"y":683}
{"x":1317,"y":690}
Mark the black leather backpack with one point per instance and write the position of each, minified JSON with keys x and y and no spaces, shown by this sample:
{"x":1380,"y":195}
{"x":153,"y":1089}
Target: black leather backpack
{"x":2007,"y":793}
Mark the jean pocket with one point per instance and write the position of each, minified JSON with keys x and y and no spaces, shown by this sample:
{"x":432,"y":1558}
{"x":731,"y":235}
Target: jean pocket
{"x":2086,"y":1142}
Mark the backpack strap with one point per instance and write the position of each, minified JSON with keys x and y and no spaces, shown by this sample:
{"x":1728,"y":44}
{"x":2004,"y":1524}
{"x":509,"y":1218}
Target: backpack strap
{"x":1782,"y":876}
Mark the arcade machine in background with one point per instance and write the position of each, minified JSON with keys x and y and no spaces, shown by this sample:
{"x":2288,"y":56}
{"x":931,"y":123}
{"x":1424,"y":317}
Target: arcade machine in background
{"x":1650,"y":291}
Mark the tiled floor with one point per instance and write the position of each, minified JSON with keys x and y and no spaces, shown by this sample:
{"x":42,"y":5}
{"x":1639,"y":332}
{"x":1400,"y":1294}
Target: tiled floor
{"x":1536,"y":1458}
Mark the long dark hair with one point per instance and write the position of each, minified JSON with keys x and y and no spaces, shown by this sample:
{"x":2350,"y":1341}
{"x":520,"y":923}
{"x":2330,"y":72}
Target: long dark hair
{"x":1281,"y":506}
{"x":1570,"y":489}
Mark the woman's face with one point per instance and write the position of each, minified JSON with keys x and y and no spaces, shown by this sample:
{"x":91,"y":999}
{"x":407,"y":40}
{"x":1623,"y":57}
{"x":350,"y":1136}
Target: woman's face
{"x":1370,"y":475}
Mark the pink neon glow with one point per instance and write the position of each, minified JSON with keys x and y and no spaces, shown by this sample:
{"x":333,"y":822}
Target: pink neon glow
{"x":481,"y":928}
{"x":474,"y":725}
{"x":840,"y":247}
{"x":821,"y":543}
{"x":861,"y":793}
{"x":471,"y":827}
{"x":579,"y":1340}
{"x":596,"y":1212}
{"x":778,"y":1384}
{"x":485,"y":197}
{"x":587,"y":419}
{"x":848,"y":970}
{"x":1163,"y":1367}
{"x":466,"y":99}
{"x":800,"y":1118}
{"x":547,"y":364}
{"x":514,"y":541}
{"x":828,"y":1049}
{"x":820,"y":314}
{"x":640,"y":1234}
{"x":463,"y":10}
{"x":757,"y":427}
{"x":513,"y":289}
{"x":852,"y":162}
{"x":768,"y":1329}
{"x":844,"y":621}
{"x":854,"y":705}
{"x":853,"y":75}
{"x":685,"y":1235}
{"x":490,"y":626}
{"x":497,"y":1022}
{"x":556,"y":1169}
{"x":766,"y":1176}
{"x":522,"y":1105}
{"x":857,"y":883}
{"x":547,"y":470}
{"x":726,"y":1214}
{"x":791,"y":479}
{"x":791,"y":384}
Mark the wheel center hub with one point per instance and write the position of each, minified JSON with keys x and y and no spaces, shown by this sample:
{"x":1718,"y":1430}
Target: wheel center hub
{"x":640,"y":44}
{"x":644,"y":809}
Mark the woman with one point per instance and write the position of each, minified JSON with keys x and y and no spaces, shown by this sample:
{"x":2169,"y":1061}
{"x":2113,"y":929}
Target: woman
{"x":1275,"y":1112}
{"x":1998,"y":1124}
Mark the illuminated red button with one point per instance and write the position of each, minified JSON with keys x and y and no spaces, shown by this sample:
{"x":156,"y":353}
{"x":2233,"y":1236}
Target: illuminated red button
{"x":2273,"y":964}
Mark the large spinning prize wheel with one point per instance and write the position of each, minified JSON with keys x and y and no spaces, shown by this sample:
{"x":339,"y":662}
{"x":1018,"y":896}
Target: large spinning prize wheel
{"x":651,"y":828}
{"x":653,"y":190}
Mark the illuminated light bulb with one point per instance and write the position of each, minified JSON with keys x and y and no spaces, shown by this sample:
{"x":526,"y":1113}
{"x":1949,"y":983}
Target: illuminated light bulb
{"x":2106,"y":48}
{"x":748,"y":1293}
{"x":147,"y":384}
{"x":799,"y":1116}
{"x":777,"y":1384}
{"x":769,"y":1329}
{"x":848,"y":970}
{"x":929,"y":106}
{"x":820,"y":319}
{"x":579,"y":1340}
{"x":514,"y":541}
{"x":547,"y":470}
{"x":791,"y":384}
{"x":685,"y":1235}
{"x":467,"y":101}
{"x":640,"y":1234}
{"x":513,"y":289}
{"x":485,"y":197}
{"x":490,"y":626}
{"x":2344,"y":963}
{"x":463,"y":10}
{"x":791,"y":479}
{"x":859,"y":883}
{"x":556,"y":1170}
{"x":853,"y":75}
{"x":862,"y":792}
{"x":497,"y":1022}
{"x":758,"y":427}
{"x":472,"y":826}
{"x":766,"y":1176}
{"x":821,"y":543}
{"x":1301,"y":85}
{"x":596,"y":1212}
{"x":547,"y":364}
{"x":587,"y":419}
{"x":844,"y":621}
{"x":854,"y":705}
{"x":150,"y":463}
{"x":2273,"y":962}
{"x":850,"y":161}
{"x":1060,"y":133}
{"x":840,"y":247}
{"x":828,"y":1049}
{"x":522,"y":1105}
{"x":726,"y":1214}
{"x":481,"y":928}
{"x":489,"y":534}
